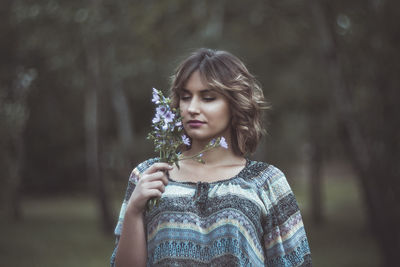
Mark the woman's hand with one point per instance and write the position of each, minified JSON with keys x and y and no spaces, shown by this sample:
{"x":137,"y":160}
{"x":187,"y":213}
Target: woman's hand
{"x":151,"y":184}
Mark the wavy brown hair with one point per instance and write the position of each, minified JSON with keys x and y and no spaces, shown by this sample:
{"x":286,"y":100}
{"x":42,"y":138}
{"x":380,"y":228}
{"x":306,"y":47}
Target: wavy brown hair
{"x":226,"y":74}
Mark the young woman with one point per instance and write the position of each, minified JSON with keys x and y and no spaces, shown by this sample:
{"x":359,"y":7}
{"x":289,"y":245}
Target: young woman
{"x":231,"y":211}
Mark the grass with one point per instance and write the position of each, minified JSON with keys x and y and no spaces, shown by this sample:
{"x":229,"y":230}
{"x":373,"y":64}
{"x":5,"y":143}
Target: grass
{"x":55,"y":232}
{"x":64,"y":231}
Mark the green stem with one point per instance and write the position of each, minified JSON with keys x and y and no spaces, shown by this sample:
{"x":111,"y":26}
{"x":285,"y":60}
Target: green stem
{"x":196,"y":155}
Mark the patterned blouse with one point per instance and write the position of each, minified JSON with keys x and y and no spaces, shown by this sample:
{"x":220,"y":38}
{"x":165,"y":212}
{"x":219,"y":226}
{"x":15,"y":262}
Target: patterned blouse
{"x":251,"y":219}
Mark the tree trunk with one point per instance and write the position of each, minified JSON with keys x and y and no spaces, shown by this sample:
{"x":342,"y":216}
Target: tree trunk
{"x":215,"y":25}
{"x":15,"y":101}
{"x":120,"y":104}
{"x":315,"y":171}
{"x":124,"y":122}
{"x":97,"y":182}
{"x":92,"y":136}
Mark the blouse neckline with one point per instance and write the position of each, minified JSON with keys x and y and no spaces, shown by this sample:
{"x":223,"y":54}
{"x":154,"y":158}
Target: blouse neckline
{"x":214,"y":182}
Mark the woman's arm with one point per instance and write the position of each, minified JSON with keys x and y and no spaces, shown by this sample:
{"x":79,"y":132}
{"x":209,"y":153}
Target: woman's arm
{"x":285,"y":240}
{"x":131,"y":249}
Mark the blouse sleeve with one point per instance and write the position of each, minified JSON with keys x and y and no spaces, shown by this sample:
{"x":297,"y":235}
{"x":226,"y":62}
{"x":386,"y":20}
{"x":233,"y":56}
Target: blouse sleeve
{"x":285,"y":240}
{"x":133,"y":178}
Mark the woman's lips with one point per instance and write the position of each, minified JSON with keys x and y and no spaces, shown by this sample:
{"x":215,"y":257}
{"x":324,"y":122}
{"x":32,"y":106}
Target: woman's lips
{"x":195,"y":124}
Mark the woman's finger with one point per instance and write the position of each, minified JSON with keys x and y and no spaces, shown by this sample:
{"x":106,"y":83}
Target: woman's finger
{"x":155,"y":176}
{"x":159,"y":185}
{"x":153,"y":193}
{"x":159,"y":166}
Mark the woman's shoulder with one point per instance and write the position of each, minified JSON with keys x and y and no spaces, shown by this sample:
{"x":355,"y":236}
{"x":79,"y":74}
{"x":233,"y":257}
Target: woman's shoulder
{"x":140,"y":168}
{"x":273,"y":182}
{"x":263,"y":173}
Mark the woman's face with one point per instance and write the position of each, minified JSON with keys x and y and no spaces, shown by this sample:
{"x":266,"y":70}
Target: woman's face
{"x":205,"y":112}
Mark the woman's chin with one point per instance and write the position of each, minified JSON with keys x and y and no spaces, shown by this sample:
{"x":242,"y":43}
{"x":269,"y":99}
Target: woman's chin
{"x":202,"y":136}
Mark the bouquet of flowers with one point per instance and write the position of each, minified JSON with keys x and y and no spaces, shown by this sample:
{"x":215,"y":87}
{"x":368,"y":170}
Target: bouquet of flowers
{"x":168,"y":135}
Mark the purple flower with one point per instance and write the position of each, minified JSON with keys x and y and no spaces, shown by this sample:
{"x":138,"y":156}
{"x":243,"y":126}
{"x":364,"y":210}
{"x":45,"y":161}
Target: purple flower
{"x":156,"y":118}
{"x":178,"y":123}
{"x":169,"y":116}
{"x":186,"y":140}
{"x":161,"y":110}
{"x":223,"y":143}
{"x":156,"y":97}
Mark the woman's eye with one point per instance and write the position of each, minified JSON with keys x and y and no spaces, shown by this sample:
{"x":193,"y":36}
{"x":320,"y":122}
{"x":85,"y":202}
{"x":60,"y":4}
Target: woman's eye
{"x":185,"y":97}
{"x":209,"y":99}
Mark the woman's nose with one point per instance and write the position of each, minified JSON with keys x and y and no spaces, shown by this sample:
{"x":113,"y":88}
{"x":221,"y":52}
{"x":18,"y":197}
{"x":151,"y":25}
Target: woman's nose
{"x":194,"y":106}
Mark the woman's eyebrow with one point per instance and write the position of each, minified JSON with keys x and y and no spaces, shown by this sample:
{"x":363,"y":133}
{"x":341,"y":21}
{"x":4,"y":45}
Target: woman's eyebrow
{"x":201,"y":91}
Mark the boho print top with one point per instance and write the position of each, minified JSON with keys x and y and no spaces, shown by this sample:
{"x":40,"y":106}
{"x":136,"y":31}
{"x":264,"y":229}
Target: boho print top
{"x":251,"y":219}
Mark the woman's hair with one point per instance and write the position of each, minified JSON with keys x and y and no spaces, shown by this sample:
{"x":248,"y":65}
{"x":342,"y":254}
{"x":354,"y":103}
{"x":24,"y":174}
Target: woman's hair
{"x":227,"y":75}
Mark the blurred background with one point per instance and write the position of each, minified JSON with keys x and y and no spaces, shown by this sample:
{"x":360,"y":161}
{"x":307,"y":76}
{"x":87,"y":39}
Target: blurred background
{"x":75,"y":109}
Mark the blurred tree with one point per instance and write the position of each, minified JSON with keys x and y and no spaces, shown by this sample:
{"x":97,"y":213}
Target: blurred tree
{"x":316,"y":158}
{"x":16,"y":81}
{"x":95,"y":83}
{"x":368,"y":111}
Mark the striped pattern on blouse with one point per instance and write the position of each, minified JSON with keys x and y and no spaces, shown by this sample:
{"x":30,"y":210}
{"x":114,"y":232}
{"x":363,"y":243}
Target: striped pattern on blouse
{"x":251,"y":219}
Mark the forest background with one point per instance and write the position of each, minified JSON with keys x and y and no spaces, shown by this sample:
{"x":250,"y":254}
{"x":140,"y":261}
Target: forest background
{"x":75,"y":91}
